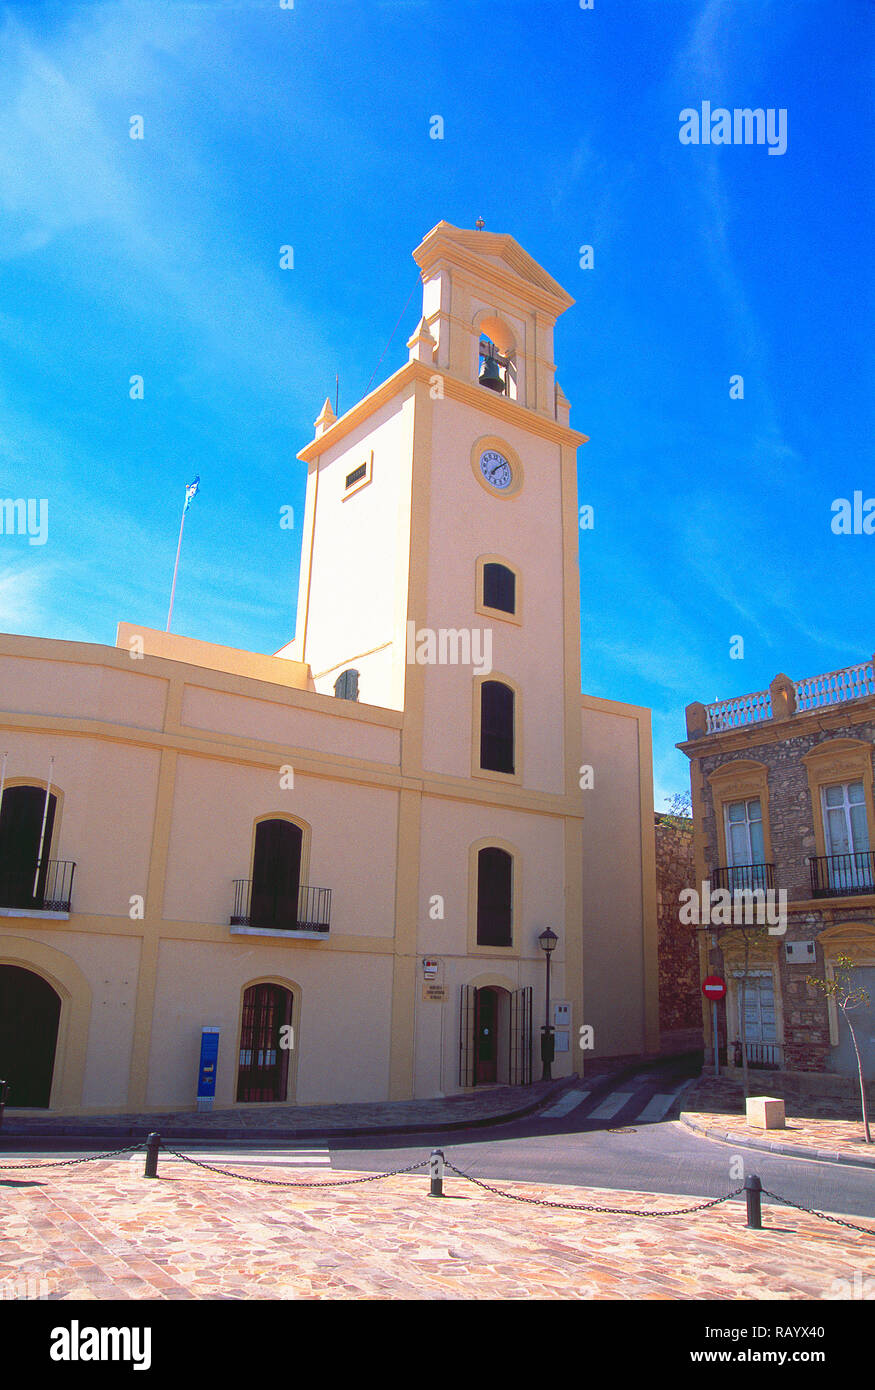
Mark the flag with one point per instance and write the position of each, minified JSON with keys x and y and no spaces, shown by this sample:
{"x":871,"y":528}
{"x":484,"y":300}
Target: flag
{"x":190,"y":492}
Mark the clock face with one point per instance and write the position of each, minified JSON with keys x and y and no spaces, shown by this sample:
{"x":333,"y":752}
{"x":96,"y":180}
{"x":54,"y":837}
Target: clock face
{"x":496,"y":469}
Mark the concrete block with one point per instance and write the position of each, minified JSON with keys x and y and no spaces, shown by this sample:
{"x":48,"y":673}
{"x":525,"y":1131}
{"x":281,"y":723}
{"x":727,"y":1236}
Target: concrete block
{"x":765,"y":1112}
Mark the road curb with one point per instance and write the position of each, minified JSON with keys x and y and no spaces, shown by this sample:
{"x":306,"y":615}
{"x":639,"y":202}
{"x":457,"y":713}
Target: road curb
{"x":776,"y":1147}
{"x":265,"y":1135}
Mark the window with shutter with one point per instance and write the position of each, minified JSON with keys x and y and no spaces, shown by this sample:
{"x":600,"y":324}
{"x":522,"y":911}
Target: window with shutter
{"x":346,"y":687}
{"x":499,"y":587}
{"x":494,"y":897}
{"x":496,"y":727}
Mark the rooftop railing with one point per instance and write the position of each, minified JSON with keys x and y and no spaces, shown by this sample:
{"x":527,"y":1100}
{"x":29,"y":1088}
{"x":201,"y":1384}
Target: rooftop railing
{"x":784,"y":697}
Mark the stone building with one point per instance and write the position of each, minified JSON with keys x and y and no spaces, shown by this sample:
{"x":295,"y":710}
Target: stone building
{"x":782,"y":788}
{"x":335,"y":866}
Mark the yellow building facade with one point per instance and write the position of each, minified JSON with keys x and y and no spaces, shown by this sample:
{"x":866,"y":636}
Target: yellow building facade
{"x":343,"y":856}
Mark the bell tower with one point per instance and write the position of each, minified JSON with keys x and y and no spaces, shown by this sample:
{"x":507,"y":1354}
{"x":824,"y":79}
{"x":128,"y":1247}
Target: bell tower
{"x":429,"y":501}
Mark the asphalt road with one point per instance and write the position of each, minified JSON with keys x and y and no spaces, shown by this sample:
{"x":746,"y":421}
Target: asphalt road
{"x":607,"y":1140}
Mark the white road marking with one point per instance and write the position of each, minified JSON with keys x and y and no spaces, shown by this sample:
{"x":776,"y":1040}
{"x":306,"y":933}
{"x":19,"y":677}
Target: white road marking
{"x":569,"y":1101}
{"x":611,"y":1105}
{"x":298,"y":1158}
{"x":657,"y":1107}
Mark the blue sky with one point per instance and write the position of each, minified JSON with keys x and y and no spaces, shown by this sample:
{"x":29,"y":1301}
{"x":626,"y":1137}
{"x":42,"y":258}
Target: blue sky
{"x":310,"y":127}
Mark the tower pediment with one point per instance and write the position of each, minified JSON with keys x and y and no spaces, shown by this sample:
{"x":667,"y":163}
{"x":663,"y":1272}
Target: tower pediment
{"x":497,"y":256}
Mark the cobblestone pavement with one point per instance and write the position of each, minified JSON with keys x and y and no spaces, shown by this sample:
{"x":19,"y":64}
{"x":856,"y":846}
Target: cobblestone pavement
{"x":102,"y":1231}
{"x":486,"y":1103}
{"x":827,"y":1125}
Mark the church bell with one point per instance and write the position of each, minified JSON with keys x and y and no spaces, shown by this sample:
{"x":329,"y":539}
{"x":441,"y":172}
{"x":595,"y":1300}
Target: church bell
{"x":491,"y":376}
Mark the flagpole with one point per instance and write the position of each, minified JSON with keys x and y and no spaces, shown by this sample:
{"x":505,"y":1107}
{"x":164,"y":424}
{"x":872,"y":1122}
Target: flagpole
{"x":42,"y":833}
{"x":175,"y":568}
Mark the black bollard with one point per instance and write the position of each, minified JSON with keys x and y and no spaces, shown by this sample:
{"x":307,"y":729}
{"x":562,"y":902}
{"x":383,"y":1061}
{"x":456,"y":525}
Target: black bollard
{"x":153,"y":1144}
{"x":436,"y":1171}
{"x":752,"y":1191}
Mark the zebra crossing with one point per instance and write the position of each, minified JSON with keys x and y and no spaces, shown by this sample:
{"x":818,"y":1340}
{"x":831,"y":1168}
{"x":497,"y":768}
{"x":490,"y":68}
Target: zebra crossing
{"x":636,"y":1101}
{"x":229,"y":1157}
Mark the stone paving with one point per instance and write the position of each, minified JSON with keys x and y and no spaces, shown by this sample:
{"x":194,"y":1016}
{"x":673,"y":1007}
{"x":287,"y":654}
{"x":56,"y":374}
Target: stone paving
{"x":102,"y":1231}
{"x":829,"y":1127}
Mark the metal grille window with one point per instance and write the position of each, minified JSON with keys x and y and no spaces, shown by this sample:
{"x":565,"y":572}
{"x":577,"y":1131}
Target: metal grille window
{"x":496,"y":727}
{"x":356,"y":475}
{"x":494,"y":897}
{"x":499,"y":588}
{"x":262,"y":1070}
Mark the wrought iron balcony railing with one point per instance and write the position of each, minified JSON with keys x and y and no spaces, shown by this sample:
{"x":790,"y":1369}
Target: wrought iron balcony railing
{"x":739,"y":876}
{"x":842,"y":875}
{"x":761,"y":1056}
{"x":273,"y":909}
{"x":54,"y":887}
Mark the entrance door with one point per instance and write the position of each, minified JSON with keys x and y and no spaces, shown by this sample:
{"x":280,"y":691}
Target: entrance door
{"x":486,"y":1035}
{"x":29,"y":1013}
{"x":21,"y":818}
{"x":844,"y":1058}
{"x":276,"y":874}
{"x":263,"y":1065}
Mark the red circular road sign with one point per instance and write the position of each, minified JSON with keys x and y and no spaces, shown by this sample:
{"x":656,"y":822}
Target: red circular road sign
{"x":714,"y":987}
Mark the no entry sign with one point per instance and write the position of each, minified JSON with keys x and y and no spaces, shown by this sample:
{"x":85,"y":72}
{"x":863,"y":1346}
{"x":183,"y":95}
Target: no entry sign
{"x":714,"y":987}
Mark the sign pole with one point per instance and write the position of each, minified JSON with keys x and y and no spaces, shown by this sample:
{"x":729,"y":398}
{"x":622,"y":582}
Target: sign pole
{"x":714,"y":1031}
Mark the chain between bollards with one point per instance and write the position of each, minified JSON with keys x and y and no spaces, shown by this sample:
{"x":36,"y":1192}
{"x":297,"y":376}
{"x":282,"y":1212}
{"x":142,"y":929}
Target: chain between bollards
{"x":153,"y":1144}
{"x":753,"y":1189}
{"x":436,"y":1173}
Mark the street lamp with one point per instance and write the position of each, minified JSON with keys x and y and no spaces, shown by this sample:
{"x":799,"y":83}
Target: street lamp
{"x":548,"y":941}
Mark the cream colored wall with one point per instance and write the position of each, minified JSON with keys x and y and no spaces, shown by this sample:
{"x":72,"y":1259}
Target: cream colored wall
{"x":619,"y":887}
{"x":74,"y":686}
{"x":103,"y":822}
{"x":349,"y":593}
{"x":300,"y":725}
{"x":343,"y":1048}
{"x":352,"y":849}
{"x":465,"y":521}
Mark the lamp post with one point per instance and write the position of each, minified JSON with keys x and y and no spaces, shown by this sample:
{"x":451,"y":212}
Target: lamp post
{"x":548,"y":941}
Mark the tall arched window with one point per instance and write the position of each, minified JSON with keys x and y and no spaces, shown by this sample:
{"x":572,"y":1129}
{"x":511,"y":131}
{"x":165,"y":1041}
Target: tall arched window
{"x":21,"y":821}
{"x":276,"y":874}
{"x":263,"y":1061}
{"x":494,"y":897}
{"x":496,"y":727}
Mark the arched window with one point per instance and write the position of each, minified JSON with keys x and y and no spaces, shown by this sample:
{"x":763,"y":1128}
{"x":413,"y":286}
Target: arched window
{"x":346,"y":687}
{"x":499,"y":587}
{"x":496,"y":727}
{"x":21,"y":822}
{"x":494,"y":897}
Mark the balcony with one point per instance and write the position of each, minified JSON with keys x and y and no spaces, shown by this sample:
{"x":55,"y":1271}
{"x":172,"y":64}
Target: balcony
{"x":54,"y":888}
{"x":272,"y":910}
{"x":743,"y":876}
{"x":761,"y":1056}
{"x":842,"y":875}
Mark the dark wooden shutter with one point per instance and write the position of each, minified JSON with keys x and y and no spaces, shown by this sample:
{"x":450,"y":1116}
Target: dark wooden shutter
{"x":521,"y":1037}
{"x":496,"y":727}
{"x":346,"y":687}
{"x":21,"y":819}
{"x":494,"y":897}
{"x":276,"y":874}
{"x":499,"y":587}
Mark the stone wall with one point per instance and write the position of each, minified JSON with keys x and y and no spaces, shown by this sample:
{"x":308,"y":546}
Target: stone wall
{"x":680,"y":1004}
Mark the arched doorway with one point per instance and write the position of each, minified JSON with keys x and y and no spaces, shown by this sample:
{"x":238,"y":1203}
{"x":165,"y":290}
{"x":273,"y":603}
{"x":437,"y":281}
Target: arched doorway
{"x":29,"y":1014}
{"x":263,"y":1063}
{"x":276,"y":874}
{"x":491,"y":1035}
